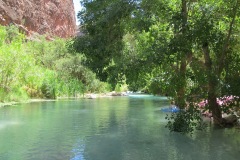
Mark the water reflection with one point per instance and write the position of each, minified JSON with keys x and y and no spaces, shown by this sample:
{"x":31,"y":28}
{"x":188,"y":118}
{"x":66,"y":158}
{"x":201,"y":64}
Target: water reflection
{"x":121,"y":128}
{"x":4,"y":124}
{"x":78,"y":150}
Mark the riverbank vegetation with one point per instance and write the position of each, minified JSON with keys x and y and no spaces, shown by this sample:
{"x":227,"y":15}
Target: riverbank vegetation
{"x":186,"y":49}
{"x":38,"y":68}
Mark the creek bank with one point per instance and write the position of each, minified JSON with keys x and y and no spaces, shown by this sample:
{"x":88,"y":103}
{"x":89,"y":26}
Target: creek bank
{"x":109,"y":94}
{"x":5,"y":104}
{"x":86,"y":96}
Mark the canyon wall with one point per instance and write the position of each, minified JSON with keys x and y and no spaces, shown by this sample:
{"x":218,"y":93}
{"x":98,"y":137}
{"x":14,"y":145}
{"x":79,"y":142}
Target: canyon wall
{"x":51,"y":17}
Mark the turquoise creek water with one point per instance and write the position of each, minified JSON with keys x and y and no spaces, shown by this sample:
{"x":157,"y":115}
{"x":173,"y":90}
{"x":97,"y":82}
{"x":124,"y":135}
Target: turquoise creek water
{"x":119,"y":128}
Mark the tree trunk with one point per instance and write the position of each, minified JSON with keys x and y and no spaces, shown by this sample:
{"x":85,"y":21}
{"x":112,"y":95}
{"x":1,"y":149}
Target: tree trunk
{"x":214,"y":75}
{"x":212,"y":101}
{"x":183,"y":64}
{"x":182,"y":84}
{"x":212,"y":86}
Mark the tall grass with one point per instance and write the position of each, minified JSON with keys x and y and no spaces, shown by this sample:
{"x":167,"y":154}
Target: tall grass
{"x":41,"y":69}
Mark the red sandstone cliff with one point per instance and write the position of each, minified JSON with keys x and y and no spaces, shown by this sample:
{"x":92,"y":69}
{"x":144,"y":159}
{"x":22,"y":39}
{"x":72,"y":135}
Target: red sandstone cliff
{"x":53,"y":17}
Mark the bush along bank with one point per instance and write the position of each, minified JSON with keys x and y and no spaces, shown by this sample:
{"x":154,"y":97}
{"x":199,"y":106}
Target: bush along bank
{"x":39,"y":68}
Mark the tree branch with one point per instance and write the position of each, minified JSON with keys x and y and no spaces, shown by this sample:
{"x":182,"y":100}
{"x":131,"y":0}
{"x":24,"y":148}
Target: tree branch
{"x":226,"y":44}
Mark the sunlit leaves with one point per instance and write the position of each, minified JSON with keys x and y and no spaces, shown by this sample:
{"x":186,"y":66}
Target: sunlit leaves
{"x":41,"y":68}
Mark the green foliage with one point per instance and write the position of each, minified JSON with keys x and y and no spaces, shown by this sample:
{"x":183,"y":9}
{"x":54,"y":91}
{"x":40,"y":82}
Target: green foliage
{"x":121,"y":87}
{"x":42,"y":69}
{"x":73,"y":66}
{"x":13,"y":62}
{"x":231,"y":76}
{"x":186,"y":121}
{"x":186,"y":49}
{"x":103,"y":24}
{"x":155,"y":87}
{"x":69,"y":88}
{"x":48,"y":87}
{"x":17,"y":94}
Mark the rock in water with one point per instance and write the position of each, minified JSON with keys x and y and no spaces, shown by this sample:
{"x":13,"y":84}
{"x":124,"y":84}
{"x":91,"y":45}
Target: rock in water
{"x":53,"y":17}
{"x":230,"y":119}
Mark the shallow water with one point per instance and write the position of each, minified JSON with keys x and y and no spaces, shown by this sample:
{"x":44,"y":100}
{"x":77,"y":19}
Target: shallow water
{"x":119,"y":128}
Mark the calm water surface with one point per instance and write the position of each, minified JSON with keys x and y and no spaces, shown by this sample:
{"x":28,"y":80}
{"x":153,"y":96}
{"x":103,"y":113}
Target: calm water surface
{"x":119,"y":128}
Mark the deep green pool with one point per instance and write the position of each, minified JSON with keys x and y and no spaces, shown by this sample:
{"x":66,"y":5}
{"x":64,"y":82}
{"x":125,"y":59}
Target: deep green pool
{"x":119,"y":128}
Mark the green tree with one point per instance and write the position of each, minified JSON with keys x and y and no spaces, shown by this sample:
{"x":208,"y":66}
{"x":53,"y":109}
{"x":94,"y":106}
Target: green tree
{"x":203,"y":35}
{"x":215,"y":29}
{"x":103,"y":24}
{"x":190,"y":44}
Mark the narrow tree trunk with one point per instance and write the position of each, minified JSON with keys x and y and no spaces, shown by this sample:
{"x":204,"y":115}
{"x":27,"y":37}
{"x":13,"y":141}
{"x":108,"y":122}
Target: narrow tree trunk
{"x":182,"y":84}
{"x":183,"y":64}
{"x":212,"y":86}
{"x":212,"y":101}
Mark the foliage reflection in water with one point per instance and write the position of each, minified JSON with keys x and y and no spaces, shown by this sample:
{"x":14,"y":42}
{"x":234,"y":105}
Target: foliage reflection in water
{"x":119,"y":128}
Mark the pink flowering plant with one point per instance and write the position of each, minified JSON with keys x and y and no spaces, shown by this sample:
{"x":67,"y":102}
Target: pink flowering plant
{"x":228,"y":105}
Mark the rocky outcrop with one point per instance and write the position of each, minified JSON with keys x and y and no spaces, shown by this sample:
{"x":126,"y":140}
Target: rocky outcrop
{"x":52,"y":17}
